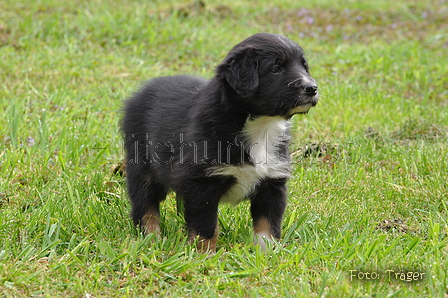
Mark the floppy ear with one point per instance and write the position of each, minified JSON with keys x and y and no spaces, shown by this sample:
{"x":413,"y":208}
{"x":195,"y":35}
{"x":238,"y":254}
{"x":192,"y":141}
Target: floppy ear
{"x":240,"y":70}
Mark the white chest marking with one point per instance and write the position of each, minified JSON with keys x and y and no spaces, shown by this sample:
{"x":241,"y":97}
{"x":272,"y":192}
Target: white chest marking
{"x":261,"y":138}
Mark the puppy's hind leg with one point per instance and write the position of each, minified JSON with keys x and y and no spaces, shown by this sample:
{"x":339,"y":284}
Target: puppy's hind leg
{"x":145,"y":197}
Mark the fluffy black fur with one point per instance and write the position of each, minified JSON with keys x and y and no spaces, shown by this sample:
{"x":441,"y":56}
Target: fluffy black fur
{"x":218,"y":140}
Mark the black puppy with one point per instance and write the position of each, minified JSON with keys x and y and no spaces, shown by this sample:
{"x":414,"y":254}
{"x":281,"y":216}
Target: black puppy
{"x":218,"y":140}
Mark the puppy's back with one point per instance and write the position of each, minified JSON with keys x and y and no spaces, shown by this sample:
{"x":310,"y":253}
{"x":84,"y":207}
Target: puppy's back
{"x":164,"y":91}
{"x":173,"y":95}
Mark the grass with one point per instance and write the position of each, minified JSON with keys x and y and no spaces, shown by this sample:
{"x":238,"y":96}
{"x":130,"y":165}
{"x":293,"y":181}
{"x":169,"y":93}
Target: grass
{"x":369,"y":198}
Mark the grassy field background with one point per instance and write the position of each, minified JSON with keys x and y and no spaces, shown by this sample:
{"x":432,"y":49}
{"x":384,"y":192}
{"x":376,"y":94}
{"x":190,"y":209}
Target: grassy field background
{"x":369,"y":194}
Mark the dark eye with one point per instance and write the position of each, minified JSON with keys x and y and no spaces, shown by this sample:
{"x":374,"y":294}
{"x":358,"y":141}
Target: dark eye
{"x":305,"y":64}
{"x":276,"y":69}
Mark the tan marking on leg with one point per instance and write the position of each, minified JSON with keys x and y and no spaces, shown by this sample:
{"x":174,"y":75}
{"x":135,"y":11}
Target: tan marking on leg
{"x":262,"y":229}
{"x":151,"y":222}
{"x":204,"y":245}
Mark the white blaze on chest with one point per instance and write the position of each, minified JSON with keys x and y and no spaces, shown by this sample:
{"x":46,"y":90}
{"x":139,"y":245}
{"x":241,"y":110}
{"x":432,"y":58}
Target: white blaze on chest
{"x":261,"y":138}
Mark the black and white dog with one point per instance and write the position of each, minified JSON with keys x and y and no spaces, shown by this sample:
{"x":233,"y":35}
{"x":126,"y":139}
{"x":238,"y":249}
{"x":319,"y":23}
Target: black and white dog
{"x":218,"y":140}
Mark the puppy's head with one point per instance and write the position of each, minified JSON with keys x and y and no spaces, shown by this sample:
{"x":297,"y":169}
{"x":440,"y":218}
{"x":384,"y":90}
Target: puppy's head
{"x":267,"y":74}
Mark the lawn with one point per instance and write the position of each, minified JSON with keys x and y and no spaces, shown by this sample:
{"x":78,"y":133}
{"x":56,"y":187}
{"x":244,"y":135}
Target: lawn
{"x":368,"y":202}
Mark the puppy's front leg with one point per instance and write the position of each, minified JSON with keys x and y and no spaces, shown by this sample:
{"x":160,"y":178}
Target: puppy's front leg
{"x":268,"y":204}
{"x":201,"y":215}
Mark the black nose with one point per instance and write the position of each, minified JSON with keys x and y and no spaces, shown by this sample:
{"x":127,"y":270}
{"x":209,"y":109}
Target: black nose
{"x":310,"y":90}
